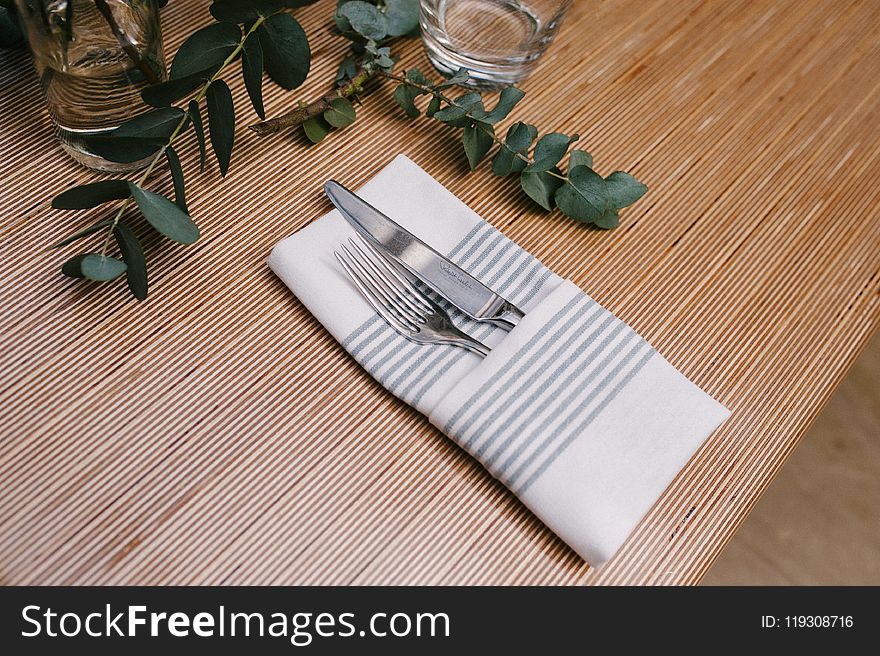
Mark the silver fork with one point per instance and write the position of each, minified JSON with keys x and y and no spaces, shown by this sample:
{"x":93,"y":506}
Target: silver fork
{"x":403,"y":306}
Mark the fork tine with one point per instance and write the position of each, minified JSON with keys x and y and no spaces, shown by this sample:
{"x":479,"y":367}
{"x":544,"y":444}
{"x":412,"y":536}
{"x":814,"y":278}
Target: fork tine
{"x":397,"y":284}
{"x":423,"y":301}
{"x":372,"y":299}
{"x":388,"y":295}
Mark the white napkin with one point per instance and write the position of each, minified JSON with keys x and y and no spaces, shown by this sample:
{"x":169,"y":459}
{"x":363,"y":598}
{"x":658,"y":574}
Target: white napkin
{"x":572,"y":410}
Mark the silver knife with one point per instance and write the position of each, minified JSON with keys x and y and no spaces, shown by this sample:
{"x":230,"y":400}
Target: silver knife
{"x":444,"y":277}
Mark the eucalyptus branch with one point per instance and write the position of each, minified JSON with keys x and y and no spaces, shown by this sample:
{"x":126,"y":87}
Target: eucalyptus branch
{"x":272,"y":42}
{"x":490,"y":133}
{"x":178,"y":129}
{"x":125,"y":43}
{"x":303,"y":113}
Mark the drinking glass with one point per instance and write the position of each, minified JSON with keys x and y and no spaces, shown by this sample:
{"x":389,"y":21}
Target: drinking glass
{"x":93,"y":58}
{"x":497,"y":41}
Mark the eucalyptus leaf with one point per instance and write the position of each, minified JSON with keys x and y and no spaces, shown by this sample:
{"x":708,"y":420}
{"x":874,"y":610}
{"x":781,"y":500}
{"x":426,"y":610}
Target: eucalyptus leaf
{"x":450,"y":113}
{"x":285,"y":50}
{"x":517,"y":142}
{"x":340,"y":114}
{"x":459,"y":77}
{"x":540,"y":186}
{"x":91,"y":195}
{"x":195,"y":115}
{"x":549,"y":150}
{"x":93,"y":266}
{"x":433,"y":106}
{"x":405,"y":96}
{"x":580,"y":158}
{"x":584,"y":197}
{"x":508,"y":99}
{"x":10,"y":31}
{"x":85,"y":232}
{"x":401,"y":17}
{"x":207,"y":47}
{"x":364,"y":18}
{"x":159,"y":123}
{"x":177,"y":178}
{"x":252,"y":71}
{"x":135,"y":261}
{"x":316,"y":128}
{"x":124,"y":150}
{"x":624,"y":189}
{"x":347,"y":70}
{"x":165,"y":216}
{"x":608,"y":220}
{"x":166,"y":93}
{"x":221,"y":123}
{"x":477,"y":141}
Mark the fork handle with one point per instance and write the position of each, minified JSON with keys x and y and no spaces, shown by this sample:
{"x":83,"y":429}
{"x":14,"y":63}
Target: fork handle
{"x":465,"y":341}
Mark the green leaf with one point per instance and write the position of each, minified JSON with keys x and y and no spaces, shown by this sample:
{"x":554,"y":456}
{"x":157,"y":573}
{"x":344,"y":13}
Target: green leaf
{"x":580,"y":158}
{"x":460,"y":77}
{"x":477,"y":141}
{"x":608,"y":220}
{"x":221,"y":123}
{"x":135,"y":261}
{"x":466,"y":108}
{"x":316,"y":128}
{"x":159,"y":123}
{"x":364,"y":18}
{"x":549,"y":150}
{"x":450,"y":113}
{"x":85,"y":232}
{"x":624,"y":189}
{"x":195,"y":114}
{"x":518,"y":140}
{"x":165,"y":216}
{"x":405,"y":96}
{"x":10,"y":33}
{"x":252,"y":71}
{"x":166,"y":93}
{"x":340,"y":114}
{"x":433,"y":106}
{"x":285,"y":50}
{"x":124,"y":150}
{"x":401,"y":17}
{"x":584,"y":197}
{"x":347,"y":70}
{"x":93,"y":266}
{"x":207,"y":47}
{"x":540,"y":186}
{"x":508,"y":99}
{"x":177,"y":178}
{"x":91,"y":195}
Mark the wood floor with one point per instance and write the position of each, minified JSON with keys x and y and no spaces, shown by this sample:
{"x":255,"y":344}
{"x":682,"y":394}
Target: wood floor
{"x":819,"y":522}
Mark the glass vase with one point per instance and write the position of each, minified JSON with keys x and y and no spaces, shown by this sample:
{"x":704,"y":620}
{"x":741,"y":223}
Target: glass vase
{"x":93,"y":58}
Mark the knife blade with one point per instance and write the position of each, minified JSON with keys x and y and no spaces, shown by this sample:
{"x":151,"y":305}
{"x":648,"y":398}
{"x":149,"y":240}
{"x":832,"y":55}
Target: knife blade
{"x":434,"y":270}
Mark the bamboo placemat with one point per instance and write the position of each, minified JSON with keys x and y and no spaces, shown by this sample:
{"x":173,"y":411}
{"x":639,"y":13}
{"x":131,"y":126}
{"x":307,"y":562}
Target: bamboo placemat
{"x":217,"y":434}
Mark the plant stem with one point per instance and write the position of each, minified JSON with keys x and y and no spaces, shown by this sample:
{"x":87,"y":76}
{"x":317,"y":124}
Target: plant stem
{"x":125,"y":43}
{"x":177,"y":130}
{"x":303,"y":113}
{"x":449,"y":101}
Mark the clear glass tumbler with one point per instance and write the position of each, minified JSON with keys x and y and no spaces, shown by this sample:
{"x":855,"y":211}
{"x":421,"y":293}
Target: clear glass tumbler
{"x":93,"y":58}
{"x":497,"y":41}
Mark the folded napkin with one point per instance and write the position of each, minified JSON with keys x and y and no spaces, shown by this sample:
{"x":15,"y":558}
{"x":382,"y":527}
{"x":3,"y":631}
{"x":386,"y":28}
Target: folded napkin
{"x":578,"y":415}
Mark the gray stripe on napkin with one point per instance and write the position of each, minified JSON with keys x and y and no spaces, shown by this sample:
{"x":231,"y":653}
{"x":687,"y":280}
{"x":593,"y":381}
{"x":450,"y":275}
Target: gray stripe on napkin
{"x":586,"y":420}
{"x":534,"y":435}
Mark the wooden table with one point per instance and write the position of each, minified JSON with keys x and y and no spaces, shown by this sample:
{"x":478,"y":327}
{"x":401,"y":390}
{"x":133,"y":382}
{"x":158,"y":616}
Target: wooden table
{"x":216,"y":434}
